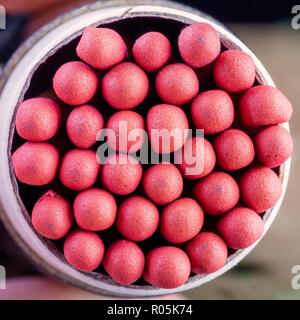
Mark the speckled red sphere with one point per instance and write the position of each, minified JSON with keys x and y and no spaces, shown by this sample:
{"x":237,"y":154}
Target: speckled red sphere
{"x":152,"y":51}
{"x":125,"y":131}
{"x":260,"y":188}
{"x":79,"y":169}
{"x":84,"y":250}
{"x":212,"y":111}
{"x":101,"y":48}
{"x":75,"y":83}
{"x":217,"y":193}
{"x":163,"y":183}
{"x":199,"y":44}
{"x":240,"y":227}
{"x":234,"y":149}
{"x":38,"y":119}
{"x":137,"y":218}
{"x":95,"y":209}
{"x":52,"y":216}
{"x":167,"y":267}
{"x":167,"y":128}
{"x":207,"y":253}
{"x":181,"y":220}
{"x":124,"y":261}
{"x":83,"y":126}
{"x":196,"y":159}
{"x":125,"y":86}
{"x":234,"y":71}
{"x":264,"y":105}
{"x":273,"y":145}
{"x":121,"y":174}
{"x":177,"y":84}
{"x":35,"y":163}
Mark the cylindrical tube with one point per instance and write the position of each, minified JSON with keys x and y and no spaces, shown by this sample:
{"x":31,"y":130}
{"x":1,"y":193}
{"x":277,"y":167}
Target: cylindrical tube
{"x":14,"y":84}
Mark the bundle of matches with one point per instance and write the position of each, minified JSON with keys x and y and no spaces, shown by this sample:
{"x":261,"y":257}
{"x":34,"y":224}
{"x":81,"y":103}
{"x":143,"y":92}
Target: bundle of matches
{"x":195,"y":218}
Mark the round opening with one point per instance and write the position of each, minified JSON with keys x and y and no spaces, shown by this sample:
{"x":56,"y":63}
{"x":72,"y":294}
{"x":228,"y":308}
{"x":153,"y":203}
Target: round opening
{"x":39,"y":83}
